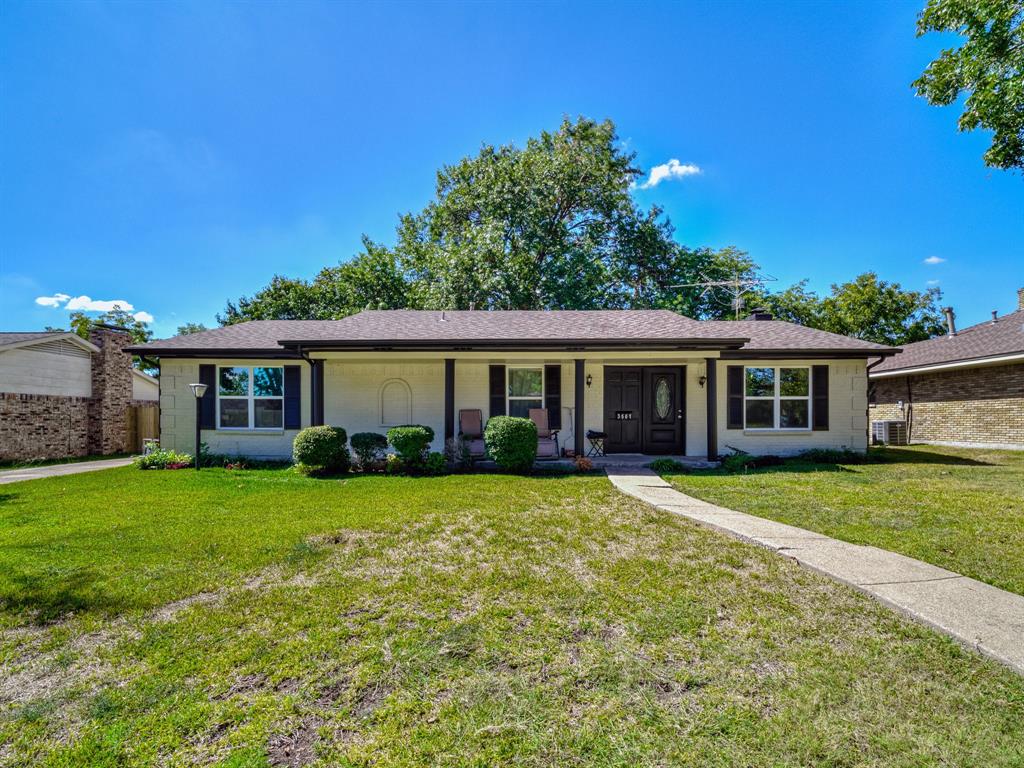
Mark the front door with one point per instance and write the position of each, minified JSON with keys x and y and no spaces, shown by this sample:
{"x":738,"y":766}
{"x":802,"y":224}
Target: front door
{"x":643,"y":409}
{"x":623,"y":398}
{"x":663,"y":410}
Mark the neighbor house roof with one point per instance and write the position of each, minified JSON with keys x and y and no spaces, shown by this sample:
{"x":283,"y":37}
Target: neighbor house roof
{"x":15,"y":339}
{"x":986,"y":342}
{"x":420,"y":329}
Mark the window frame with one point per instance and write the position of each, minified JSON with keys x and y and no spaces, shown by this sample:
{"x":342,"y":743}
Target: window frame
{"x":777,"y":397}
{"x":508,"y":386}
{"x":251,"y":397}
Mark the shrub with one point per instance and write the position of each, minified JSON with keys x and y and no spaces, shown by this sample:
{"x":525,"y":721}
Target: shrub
{"x":666,"y":466}
{"x":367,"y":446}
{"x":832,"y":456}
{"x":511,"y":442}
{"x":741,"y":462}
{"x":410,"y":442}
{"x":162,"y":459}
{"x":583,"y":464}
{"x":321,"y":450}
{"x":436,"y":463}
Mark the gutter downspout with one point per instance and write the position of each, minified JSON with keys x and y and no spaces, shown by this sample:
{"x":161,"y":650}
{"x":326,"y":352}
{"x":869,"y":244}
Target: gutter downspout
{"x":867,"y":406}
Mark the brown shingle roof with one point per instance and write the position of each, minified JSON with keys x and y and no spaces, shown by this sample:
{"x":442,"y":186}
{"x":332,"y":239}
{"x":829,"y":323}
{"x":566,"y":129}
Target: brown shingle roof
{"x":1003,"y":337}
{"x":413,"y":328}
{"x":779,"y":336}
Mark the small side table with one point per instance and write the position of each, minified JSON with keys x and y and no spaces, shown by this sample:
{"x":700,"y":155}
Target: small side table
{"x":596,"y":440}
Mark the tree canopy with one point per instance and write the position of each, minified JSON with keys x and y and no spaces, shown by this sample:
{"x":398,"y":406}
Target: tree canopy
{"x":988,"y":67}
{"x":553,"y":225}
{"x":865,"y":308}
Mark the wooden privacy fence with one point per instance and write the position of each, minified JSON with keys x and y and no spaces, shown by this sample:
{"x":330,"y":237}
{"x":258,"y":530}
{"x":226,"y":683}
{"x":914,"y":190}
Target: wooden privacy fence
{"x":143,"y":421}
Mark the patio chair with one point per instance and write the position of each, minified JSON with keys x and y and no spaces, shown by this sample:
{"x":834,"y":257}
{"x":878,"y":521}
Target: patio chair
{"x":547,"y":438}
{"x":471,"y":430}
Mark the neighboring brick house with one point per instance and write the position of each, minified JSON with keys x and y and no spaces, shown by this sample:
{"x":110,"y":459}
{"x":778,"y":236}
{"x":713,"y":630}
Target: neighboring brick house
{"x":966,"y":387}
{"x":63,"y":396}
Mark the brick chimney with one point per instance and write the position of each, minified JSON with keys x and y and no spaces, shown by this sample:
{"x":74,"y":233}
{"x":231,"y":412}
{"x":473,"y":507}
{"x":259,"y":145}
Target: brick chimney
{"x":111,"y":390}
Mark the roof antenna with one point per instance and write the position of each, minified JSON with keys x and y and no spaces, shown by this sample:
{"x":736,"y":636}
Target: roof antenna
{"x":734,"y":289}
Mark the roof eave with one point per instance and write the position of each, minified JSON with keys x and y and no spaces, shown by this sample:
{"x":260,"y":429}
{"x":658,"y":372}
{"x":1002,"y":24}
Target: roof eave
{"x":464,"y":345}
{"x":223,"y":352}
{"x":808,"y":352}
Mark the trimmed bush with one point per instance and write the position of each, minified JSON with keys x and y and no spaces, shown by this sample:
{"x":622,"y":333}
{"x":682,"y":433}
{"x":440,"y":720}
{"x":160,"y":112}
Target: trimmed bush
{"x":666,"y":466}
{"x":511,"y":442}
{"x":321,"y":450}
{"x":164,"y":460}
{"x":411,"y":442}
{"x":368,"y":446}
{"x":741,"y":462}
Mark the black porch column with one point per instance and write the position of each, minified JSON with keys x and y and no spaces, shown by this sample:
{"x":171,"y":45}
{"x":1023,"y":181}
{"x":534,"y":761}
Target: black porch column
{"x":712,"y":392}
{"x":316,"y":393}
{"x":580,"y":389}
{"x":449,"y":399}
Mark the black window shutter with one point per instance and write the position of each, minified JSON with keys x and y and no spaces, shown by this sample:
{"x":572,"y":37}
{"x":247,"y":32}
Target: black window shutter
{"x":293,"y":397}
{"x":553,"y":395}
{"x":497,"y":389}
{"x":208,"y":404}
{"x":734,"y":397}
{"x":819,"y":391}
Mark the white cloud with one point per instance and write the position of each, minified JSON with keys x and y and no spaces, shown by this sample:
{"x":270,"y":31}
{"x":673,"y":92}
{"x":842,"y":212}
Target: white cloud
{"x":91,"y":305}
{"x":933,"y":282}
{"x":85,"y":304}
{"x":934,"y":260}
{"x":52,"y":301}
{"x":673,"y":169}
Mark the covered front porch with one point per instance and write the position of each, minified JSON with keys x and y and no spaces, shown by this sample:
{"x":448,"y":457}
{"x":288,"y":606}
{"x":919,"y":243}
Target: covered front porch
{"x":646,"y":403}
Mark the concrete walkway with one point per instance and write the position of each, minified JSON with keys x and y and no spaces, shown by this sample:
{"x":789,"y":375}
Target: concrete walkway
{"x":980,"y":616}
{"x":57,"y":470}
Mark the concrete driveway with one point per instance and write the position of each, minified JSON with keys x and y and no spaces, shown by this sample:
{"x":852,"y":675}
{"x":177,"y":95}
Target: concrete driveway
{"x":57,"y":470}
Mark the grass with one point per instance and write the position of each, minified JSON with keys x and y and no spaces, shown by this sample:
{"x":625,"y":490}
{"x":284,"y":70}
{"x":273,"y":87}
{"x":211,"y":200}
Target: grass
{"x":259,"y":618}
{"x":958,"y":508}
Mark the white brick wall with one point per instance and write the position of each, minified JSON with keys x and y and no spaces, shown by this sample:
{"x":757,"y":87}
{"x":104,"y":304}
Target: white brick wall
{"x":178,"y":414}
{"x":848,"y":402}
{"x":353,"y":390}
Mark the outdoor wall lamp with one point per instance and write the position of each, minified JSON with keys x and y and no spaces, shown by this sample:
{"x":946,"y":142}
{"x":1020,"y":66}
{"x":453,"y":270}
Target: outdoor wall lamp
{"x":590,"y":380}
{"x":198,"y":390}
{"x":702,"y":380}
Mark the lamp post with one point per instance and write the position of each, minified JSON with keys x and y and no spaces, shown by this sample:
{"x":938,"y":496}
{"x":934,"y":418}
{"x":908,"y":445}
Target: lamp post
{"x":198,"y":390}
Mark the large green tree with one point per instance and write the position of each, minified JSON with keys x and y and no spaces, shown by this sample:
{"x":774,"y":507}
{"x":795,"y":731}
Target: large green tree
{"x":551,"y":225}
{"x":370,"y":279}
{"x":865,"y":308}
{"x":988,"y":67}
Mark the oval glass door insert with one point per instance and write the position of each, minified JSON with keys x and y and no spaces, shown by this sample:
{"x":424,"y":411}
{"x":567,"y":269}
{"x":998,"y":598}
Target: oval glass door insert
{"x":662,"y":399}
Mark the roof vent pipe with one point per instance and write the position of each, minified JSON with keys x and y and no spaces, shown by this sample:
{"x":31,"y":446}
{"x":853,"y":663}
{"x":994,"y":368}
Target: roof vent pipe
{"x":443,"y":318}
{"x":995,"y":316}
{"x":950,"y":320}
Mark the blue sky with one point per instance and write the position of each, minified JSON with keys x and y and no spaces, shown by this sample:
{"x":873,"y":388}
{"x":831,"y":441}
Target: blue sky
{"x":175,"y":155}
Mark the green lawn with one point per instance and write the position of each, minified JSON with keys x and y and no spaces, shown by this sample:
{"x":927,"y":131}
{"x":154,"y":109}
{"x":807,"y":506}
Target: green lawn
{"x":962,"y":509}
{"x":259,"y":618}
